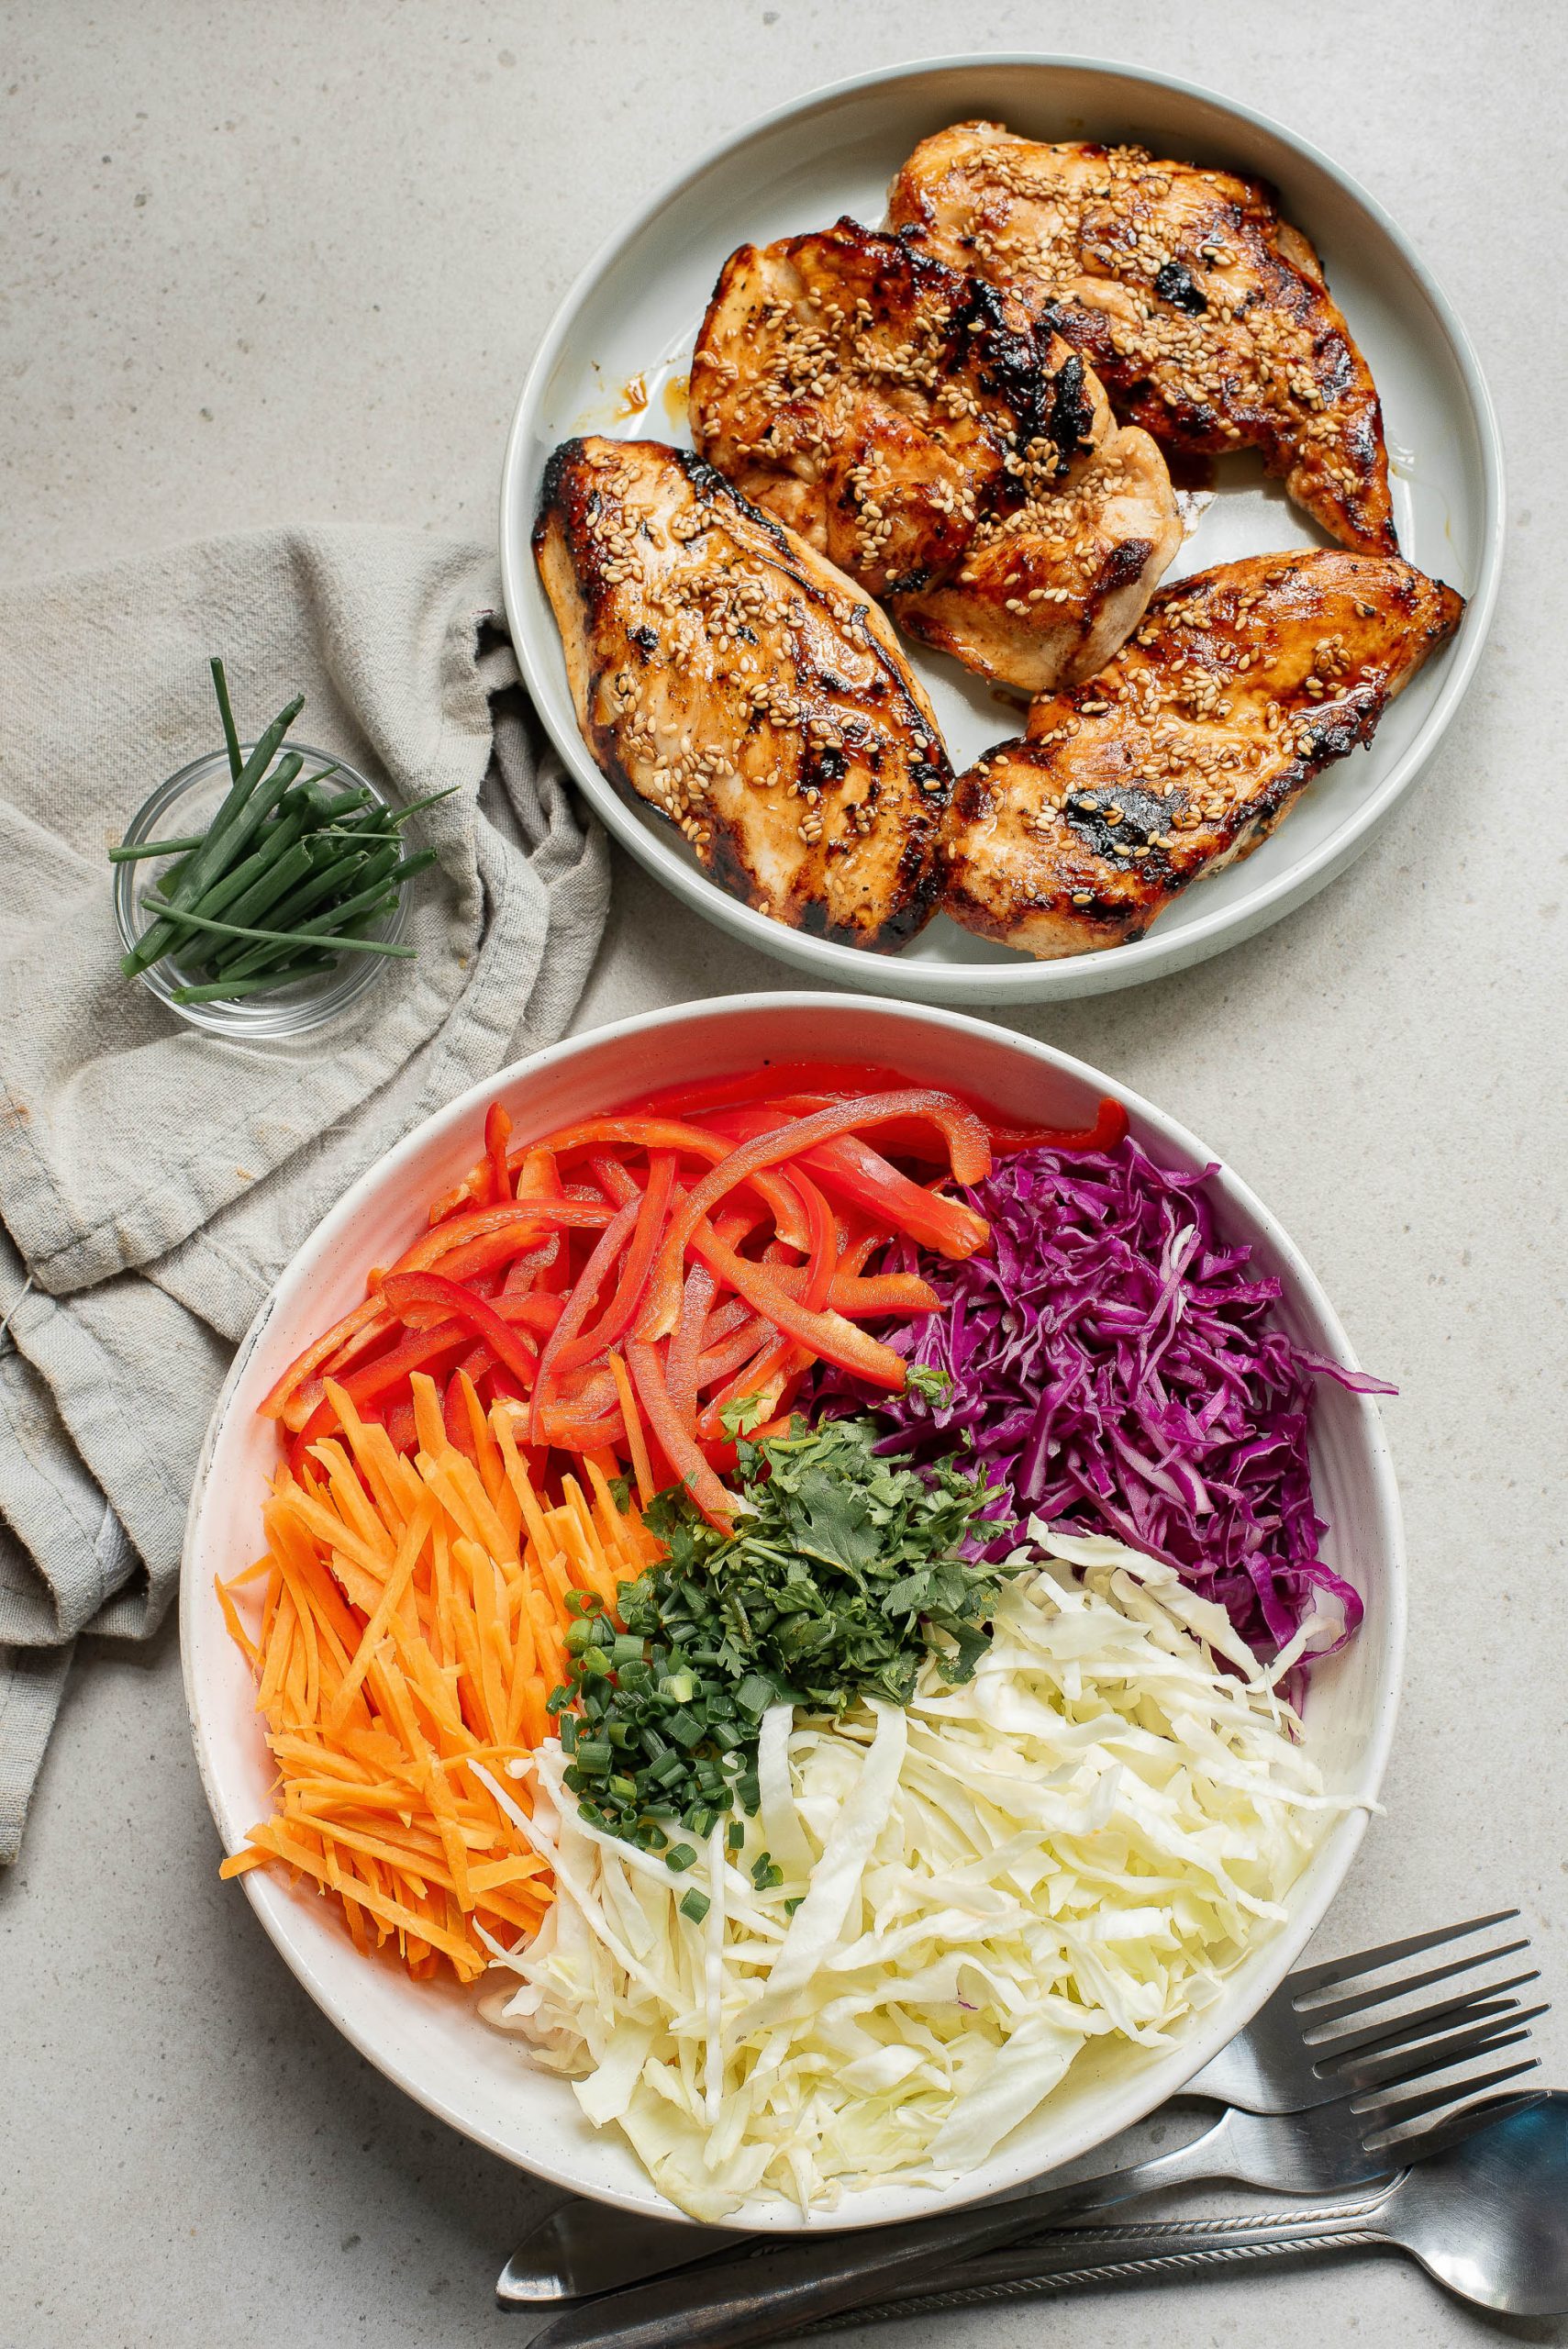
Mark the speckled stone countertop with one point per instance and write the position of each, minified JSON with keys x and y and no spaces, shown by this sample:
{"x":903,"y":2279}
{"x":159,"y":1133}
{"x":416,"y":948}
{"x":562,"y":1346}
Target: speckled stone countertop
{"x":290,"y":262}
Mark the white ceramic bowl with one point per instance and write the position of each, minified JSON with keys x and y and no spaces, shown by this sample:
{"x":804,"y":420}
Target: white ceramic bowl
{"x":636,"y":310}
{"x":429,"y":2038}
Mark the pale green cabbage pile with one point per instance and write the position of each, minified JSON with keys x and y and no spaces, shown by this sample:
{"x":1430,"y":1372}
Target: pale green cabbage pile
{"x":1078,"y":1842}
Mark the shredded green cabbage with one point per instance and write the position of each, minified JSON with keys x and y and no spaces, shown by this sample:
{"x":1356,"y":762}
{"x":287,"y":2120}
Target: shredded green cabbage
{"x":1078,"y":1842}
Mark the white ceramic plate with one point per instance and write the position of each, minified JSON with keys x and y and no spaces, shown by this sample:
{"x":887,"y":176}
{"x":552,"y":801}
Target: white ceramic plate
{"x":635,"y":312}
{"x":430,"y":2038}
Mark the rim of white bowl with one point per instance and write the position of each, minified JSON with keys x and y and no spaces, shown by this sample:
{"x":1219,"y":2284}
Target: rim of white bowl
{"x":1329,"y":1865}
{"x":1024,"y":981}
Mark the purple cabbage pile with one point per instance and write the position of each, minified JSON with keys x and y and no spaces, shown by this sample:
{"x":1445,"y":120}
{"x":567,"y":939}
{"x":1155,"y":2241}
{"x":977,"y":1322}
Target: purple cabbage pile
{"x":1116,"y":1367}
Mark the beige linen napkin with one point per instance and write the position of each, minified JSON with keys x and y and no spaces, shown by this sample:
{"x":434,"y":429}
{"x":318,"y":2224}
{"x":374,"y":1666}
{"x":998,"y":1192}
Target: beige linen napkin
{"x":154,"y":1179}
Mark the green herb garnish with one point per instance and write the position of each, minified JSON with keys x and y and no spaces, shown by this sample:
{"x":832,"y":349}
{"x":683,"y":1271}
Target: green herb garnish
{"x":287,"y":877}
{"x":844,"y":1572}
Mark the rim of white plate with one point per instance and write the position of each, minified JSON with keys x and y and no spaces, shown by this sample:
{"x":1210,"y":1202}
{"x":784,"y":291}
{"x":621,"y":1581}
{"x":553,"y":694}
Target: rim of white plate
{"x":1162,"y":952}
{"x":1127,"y":2100}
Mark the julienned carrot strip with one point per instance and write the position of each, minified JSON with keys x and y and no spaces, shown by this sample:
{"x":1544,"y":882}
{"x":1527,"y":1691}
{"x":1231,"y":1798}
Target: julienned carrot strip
{"x":403,"y":1633}
{"x":237,"y":1631}
{"x":636,"y":1443}
{"x":679,"y":1446}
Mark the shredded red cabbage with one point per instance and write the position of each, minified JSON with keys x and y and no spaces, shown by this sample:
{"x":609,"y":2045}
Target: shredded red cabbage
{"x":1116,"y":1367}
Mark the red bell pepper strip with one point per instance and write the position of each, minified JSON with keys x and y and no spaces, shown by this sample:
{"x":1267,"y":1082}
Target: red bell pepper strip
{"x":431,"y":1335}
{"x":454,"y":1415}
{"x":401,"y":1427}
{"x":823,"y":1255}
{"x":969,"y":1150}
{"x":621,"y":1310}
{"x":615,"y":1178}
{"x":856,"y":1172}
{"x":522,"y":1273}
{"x":867,"y":1180}
{"x":575,"y":1311}
{"x":731,"y":1315}
{"x":761,"y":1380}
{"x":537,"y":1177}
{"x":858,"y":1295}
{"x":695,"y":1142}
{"x":833,"y":1080}
{"x":497,"y":1134}
{"x":416,"y":1289}
{"x":681,"y":1361}
{"x":853,"y":1171}
{"x":527,"y":1311}
{"x":827,"y":1335}
{"x":717,"y":1361}
{"x":679,"y":1448}
{"x":319,"y":1351}
{"x":567,"y":1432}
{"x":1108,"y":1128}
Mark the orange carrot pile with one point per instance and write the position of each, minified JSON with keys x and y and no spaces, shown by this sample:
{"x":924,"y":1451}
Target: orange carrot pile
{"x":412,"y":1613}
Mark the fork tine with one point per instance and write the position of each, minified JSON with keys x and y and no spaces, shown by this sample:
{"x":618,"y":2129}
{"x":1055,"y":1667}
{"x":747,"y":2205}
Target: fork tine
{"x":1388,"y":2118}
{"x":1441,"y":2135}
{"x":1391,"y":2071}
{"x":1327,"y":2010}
{"x":1393,"y":2031}
{"x":1308,"y":1980}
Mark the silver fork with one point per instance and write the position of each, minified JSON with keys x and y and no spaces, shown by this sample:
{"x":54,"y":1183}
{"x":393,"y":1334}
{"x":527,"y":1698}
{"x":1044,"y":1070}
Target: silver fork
{"x":1355,"y":2138}
{"x":1294,"y":2052}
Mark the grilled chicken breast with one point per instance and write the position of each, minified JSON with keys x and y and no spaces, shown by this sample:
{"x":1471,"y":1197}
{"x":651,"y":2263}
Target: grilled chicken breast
{"x":1186,"y":752}
{"x":1204,"y":314}
{"x":927,"y":433}
{"x":726,"y":673}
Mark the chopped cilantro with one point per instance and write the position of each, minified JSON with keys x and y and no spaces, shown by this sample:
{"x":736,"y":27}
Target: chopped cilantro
{"x":845,"y":1571}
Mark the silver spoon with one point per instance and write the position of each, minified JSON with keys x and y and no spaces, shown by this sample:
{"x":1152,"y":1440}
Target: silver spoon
{"x":1488,"y":2219}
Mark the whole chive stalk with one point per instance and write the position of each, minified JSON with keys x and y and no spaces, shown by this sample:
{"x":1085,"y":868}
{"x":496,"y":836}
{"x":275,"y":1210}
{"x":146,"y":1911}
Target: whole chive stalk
{"x":313,"y":937}
{"x":231,"y":740}
{"x":219,"y":990}
{"x":128,"y":855}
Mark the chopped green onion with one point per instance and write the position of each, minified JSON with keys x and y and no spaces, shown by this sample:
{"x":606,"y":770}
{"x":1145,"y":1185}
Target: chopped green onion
{"x":695,"y":1905}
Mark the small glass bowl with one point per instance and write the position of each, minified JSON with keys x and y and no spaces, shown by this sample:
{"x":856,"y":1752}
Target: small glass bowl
{"x":186,"y":804}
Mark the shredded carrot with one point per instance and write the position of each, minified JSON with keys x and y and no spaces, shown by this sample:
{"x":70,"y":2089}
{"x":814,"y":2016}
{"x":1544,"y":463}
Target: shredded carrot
{"x":637,"y":1441}
{"x":408,"y":1618}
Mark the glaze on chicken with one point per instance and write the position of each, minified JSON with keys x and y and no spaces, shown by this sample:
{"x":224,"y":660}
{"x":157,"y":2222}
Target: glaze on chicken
{"x":727,"y":674}
{"x":1205,"y":315}
{"x":927,"y":433}
{"x":1239,"y":685}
